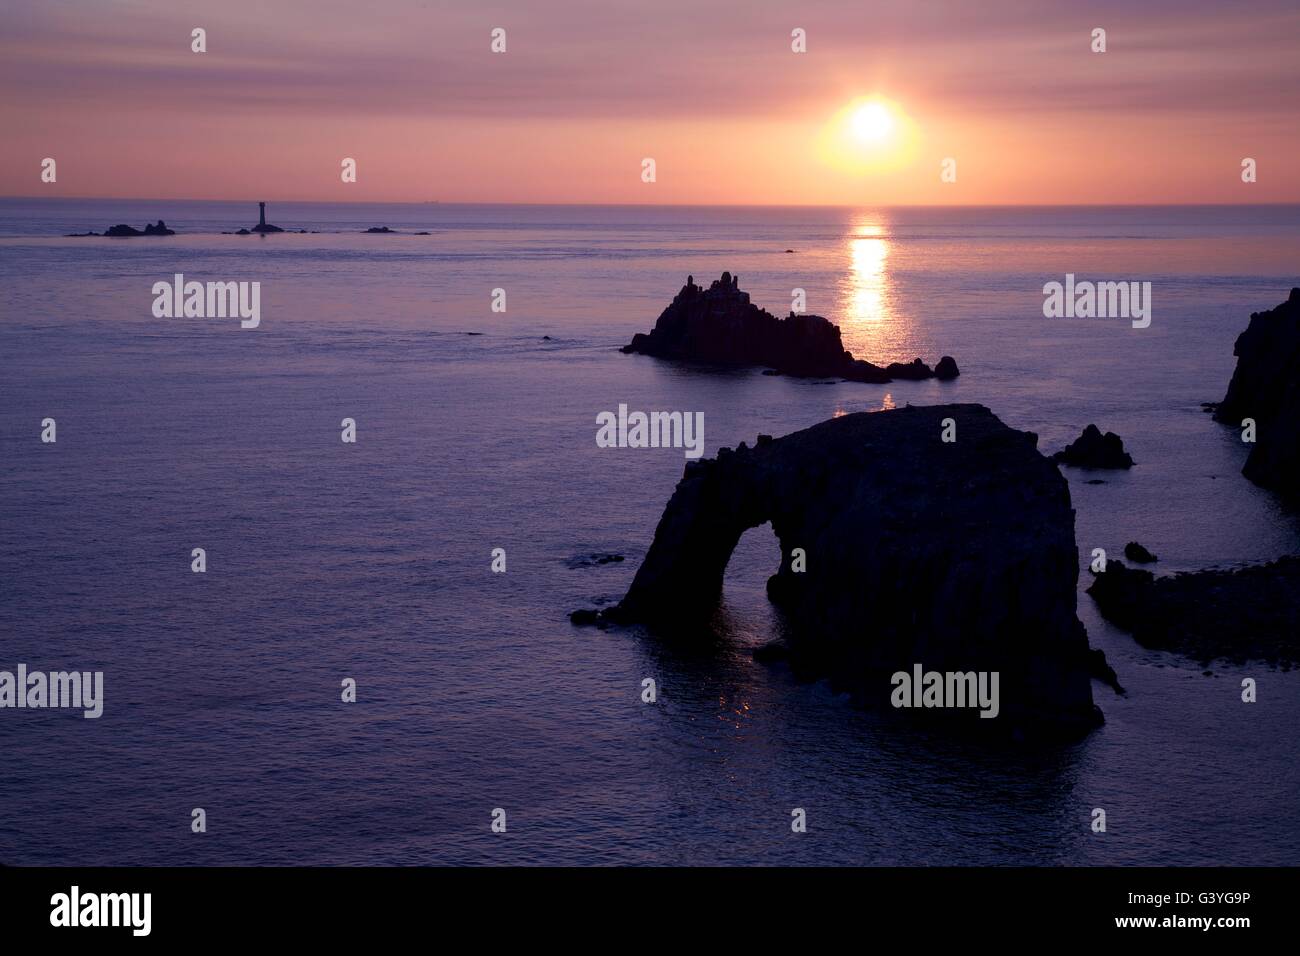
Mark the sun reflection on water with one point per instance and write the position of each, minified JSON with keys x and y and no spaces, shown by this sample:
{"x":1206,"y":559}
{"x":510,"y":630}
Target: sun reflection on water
{"x":869,"y":323}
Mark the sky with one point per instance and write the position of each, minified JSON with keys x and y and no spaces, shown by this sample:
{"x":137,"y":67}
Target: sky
{"x":711,"y":90}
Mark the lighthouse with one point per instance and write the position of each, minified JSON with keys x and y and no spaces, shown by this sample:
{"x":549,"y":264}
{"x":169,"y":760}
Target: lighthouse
{"x":263,"y":226}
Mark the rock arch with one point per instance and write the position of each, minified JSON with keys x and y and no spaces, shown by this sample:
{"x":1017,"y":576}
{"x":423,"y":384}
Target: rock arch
{"x":957,"y":556}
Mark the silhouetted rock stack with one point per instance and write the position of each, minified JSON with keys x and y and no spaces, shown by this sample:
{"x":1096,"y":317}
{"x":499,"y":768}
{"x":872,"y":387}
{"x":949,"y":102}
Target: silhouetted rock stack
{"x":1092,"y":449}
{"x":719,"y":324}
{"x":946,"y":369}
{"x":1138,"y":554}
{"x":957,"y":556}
{"x":1250,"y":613}
{"x":1265,"y":387}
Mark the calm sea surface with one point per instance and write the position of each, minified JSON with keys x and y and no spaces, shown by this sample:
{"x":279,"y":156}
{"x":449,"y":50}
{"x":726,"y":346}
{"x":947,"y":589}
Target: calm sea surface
{"x":372,"y":561}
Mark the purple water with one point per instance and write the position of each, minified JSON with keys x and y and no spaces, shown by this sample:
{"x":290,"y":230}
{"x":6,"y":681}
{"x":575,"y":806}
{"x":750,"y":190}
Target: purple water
{"x":373,"y":561}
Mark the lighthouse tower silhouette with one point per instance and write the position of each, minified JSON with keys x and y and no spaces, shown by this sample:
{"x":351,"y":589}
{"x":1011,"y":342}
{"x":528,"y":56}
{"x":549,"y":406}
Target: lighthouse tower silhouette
{"x":262,"y":225}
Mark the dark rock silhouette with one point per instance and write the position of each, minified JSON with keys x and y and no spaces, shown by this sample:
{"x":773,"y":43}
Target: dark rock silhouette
{"x":946,"y":369}
{"x":958,"y":556}
{"x":1265,"y":387}
{"x":262,"y":225}
{"x":584,"y":617}
{"x":593,"y":560}
{"x":1135,"y":552}
{"x":771,"y":653}
{"x":1092,"y":449}
{"x":380,"y":229}
{"x":122,"y":230}
{"x":1099,"y":669}
{"x":720,"y":325}
{"x":914,"y":370}
{"x":1243,"y":614}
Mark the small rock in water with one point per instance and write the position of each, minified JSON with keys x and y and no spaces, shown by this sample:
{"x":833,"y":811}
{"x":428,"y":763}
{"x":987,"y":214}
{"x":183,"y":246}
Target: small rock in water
{"x":1135,"y":552}
{"x":1092,"y":449}
{"x":588,"y":617}
{"x":593,"y":559}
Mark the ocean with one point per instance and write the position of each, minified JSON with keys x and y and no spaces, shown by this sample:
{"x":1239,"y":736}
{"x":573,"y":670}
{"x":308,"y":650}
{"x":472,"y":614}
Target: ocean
{"x":373,"y":561}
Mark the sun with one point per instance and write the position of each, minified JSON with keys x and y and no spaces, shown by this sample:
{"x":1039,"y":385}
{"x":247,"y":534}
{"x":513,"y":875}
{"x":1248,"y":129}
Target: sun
{"x":872,"y":122}
{"x":869,"y":135}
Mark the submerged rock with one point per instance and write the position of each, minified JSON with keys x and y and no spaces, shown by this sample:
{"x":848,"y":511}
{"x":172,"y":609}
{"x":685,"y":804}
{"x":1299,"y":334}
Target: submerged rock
{"x":594,"y":559}
{"x":1092,"y":449}
{"x":721,"y":325}
{"x":1250,"y":613}
{"x":1265,"y":387}
{"x":955,"y":556}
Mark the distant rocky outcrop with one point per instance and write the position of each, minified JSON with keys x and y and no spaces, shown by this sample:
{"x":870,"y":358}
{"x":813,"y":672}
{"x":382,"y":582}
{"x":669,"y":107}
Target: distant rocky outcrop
{"x":720,"y":325}
{"x":122,"y":230}
{"x":381,"y":229}
{"x":1265,"y":387}
{"x":1092,"y":449}
{"x":958,"y":556}
{"x":1243,"y":614}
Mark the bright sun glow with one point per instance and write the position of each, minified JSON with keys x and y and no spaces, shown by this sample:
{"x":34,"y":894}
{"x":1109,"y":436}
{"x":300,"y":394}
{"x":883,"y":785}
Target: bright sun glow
{"x":872,"y":122}
{"x":868,"y":136}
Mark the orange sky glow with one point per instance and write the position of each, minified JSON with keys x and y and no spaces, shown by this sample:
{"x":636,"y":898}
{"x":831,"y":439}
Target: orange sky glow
{"x":712,"y":92}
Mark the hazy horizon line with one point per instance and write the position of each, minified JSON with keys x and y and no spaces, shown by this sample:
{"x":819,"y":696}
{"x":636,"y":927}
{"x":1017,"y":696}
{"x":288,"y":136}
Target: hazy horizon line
{"x":696,"y":205}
